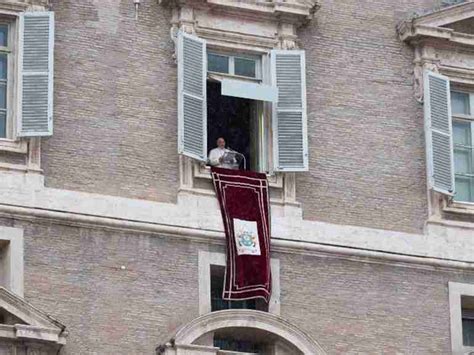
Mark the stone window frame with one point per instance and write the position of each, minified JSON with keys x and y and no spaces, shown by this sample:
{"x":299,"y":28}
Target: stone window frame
{"x":441,"y":202}
{"x":456,"y":291}
{"x":465,"y":118}
{"x":206,"y":259}
{"x":11,"y":259}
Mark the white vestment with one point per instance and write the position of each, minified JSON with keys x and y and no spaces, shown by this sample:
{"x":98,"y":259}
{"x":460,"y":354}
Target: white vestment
{"x":214,"y":156}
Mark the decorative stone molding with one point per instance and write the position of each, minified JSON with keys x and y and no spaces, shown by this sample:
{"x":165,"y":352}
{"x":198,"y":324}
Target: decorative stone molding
{"x":438,"y":47}
{"x":252,"y":25}
{"x":271,"y":324}
{"x":28,"y":325}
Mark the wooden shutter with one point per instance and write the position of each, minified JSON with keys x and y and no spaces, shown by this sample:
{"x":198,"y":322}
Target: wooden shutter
{"x":290,"y":141}
{"x":438,"y":133}
{"x":192,"y":103}
{"x":36,"y":45}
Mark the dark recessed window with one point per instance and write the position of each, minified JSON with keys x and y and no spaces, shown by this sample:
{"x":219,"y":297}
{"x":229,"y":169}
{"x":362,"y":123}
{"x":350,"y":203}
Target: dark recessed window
{"x":218,"y":304}
{"x":467,"y":304}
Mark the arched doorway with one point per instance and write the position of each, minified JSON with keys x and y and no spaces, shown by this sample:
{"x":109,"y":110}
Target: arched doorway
{"x":273,"y":335}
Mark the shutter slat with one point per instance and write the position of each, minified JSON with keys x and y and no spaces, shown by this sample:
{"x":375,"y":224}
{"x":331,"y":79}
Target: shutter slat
{"x":289,"y":115}
{"x":36,"y":74}
{"x":438,"y":133}
{"x":192,"y":103}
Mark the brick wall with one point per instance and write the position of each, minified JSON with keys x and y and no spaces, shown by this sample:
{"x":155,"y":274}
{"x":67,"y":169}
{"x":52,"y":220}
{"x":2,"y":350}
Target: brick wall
{"x":367,"y":153}
{"x":115,"y":101}
{"x":347,"y":306}
{"x":115,"y":110}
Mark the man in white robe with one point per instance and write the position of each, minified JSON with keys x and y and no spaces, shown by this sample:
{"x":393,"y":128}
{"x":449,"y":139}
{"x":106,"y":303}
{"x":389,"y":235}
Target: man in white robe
{"x":216,"y":155}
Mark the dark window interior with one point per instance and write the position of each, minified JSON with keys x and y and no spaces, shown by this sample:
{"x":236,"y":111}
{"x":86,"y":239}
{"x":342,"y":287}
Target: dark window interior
{"x":228,"y":117}
{"x":232,"y":344}
{"x":218,"y":304}
{"x":467,"y":304}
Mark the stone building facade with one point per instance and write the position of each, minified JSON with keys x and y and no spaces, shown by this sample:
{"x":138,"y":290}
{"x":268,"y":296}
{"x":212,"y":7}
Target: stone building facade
{"x":110,"y":234}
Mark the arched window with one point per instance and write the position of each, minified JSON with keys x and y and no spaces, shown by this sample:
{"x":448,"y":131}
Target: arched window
{"x":253,"y":332}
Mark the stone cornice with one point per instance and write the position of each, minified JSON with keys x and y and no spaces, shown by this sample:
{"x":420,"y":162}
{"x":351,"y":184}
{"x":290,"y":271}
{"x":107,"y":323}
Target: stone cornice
{"x":411,"y":33}
{"x":295,"y":12}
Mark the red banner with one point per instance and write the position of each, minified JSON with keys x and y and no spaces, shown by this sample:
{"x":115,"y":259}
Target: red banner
{"x":244,"y":200}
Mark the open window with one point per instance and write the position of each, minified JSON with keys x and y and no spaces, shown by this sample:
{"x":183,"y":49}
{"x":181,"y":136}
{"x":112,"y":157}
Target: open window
{"x":256,"y":102}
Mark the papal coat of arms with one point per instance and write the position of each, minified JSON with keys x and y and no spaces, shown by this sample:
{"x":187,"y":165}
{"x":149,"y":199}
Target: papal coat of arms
{"x":246,"y":237}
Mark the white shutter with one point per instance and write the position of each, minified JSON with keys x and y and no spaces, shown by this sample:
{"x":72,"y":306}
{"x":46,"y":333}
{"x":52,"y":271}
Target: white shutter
{"x":438,"y":133}
{"x":290,"y":141}
{"x":35,"y":98}
{"x":192,"y":103}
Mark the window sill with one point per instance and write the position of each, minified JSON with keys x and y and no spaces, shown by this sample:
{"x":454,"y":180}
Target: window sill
{"x":202,"y":171}
{"x":14,"y":146}
{"x":462,"y":208}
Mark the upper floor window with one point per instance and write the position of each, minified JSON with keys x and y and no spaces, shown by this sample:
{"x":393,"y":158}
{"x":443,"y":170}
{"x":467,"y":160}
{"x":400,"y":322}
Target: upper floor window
{"x":258,"y":102}
{"x":463,"y":144}
{"x":6,"y":64}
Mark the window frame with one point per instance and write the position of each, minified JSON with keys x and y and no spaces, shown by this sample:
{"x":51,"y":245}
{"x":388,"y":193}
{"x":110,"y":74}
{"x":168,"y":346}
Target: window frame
{"x":456,"y":291}
{"x":12,"y":80}
{"x":457,"y":117}
{"x":11,"y":262}
{"x":261,"y":110}
{"x":232,"y":56}
{"x":206,"y":259}
{"x":12,"y":143}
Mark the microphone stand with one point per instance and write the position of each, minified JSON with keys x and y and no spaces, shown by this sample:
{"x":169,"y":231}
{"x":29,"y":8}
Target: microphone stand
{"x":238,"y":153}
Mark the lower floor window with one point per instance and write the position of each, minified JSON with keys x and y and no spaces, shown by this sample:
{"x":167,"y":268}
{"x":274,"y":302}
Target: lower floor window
{"x":219,"y":304}
{"x":467,"y":304}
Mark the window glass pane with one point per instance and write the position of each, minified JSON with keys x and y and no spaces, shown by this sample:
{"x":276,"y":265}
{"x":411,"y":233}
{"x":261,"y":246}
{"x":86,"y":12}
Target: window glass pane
{"x":3,"y":66}
{"x":245,"y":67}
{"x":468,"y":332}
{"x":460,"y":103}
{"x":464,"y":189}
{"x":4,"y":35}
{"x":3,"y":96}
{"x":463,"y":161}
{"x":3,"y":125}
{"x":217,"y":63}
{"x":462,"y":133}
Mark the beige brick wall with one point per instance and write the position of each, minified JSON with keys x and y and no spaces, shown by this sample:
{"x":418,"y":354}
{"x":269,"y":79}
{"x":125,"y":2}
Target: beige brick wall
{"x":115,"y":110}
{"x":347,"y":306}
{"x":367,"y":154}
{"x":115,"y":101}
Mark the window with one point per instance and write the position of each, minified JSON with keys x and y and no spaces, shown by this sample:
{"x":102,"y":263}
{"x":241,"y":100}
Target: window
{"x":463,"y":140}
{"x":467,"y":313}
{"x":230,"y":115}
{"x":211,"y":282}
{"x":267,"y":94}
{"x":461,"y":305}
{"x":6,"y":64}
{"x":218,"y":304}
{"x":244,"y":66}
{"x":11,"y":259}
